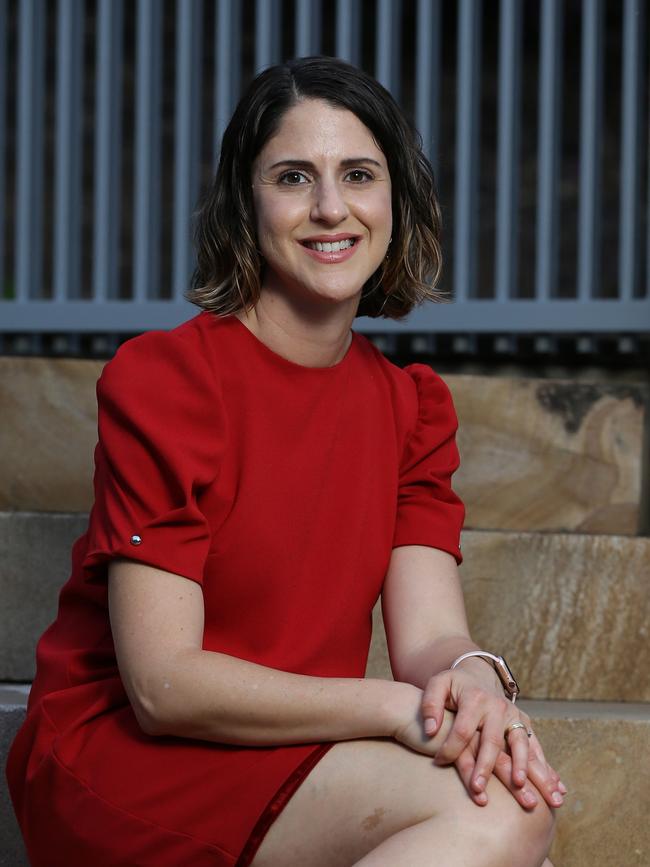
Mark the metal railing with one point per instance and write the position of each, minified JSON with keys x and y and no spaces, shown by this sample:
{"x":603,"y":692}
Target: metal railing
{"x":113,"y":125}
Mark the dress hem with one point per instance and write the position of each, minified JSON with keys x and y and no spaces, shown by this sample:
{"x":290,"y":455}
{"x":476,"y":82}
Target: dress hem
{"x":278,"y":803}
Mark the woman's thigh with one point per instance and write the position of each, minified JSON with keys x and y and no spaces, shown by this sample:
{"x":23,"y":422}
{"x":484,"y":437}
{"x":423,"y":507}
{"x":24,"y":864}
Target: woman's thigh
{"x":362,"y":792}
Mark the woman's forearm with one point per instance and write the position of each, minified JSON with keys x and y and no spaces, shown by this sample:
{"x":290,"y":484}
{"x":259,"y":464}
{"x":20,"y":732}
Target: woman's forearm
{"x":215,"y":697}
{"x":177,"y":688}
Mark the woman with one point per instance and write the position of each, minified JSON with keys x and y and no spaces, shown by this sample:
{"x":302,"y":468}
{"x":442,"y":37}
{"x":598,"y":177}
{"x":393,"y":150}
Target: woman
{"x":262,"y":474}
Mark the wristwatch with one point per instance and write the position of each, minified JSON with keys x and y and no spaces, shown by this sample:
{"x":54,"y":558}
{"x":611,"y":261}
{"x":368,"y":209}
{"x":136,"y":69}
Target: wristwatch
{"x":501,"y":667}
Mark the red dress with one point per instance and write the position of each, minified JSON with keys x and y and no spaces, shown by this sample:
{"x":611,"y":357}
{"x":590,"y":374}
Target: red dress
{"x":280,"y":489}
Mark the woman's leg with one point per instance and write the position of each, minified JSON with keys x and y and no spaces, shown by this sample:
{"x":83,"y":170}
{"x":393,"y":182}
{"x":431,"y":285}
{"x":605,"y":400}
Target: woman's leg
{"x":373,"y":803}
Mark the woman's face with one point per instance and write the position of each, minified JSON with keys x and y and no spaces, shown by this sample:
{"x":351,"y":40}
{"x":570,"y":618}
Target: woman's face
{"x":322,"y":197}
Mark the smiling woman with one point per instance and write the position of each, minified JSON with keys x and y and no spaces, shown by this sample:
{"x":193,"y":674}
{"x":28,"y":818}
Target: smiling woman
{"x":371,"y":139}
{"x":323,"y":218}
{"x":263,"y":474}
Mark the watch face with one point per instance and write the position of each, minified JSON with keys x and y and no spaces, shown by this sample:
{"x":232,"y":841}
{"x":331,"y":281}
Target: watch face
{"x":507,"y":677}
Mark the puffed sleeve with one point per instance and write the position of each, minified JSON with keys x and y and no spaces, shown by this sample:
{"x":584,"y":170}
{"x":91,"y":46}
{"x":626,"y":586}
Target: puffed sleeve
{"x":161,"y":432}
{"x":428,"y":511}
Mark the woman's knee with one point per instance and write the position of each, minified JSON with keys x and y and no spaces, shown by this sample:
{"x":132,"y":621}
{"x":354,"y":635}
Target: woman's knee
{"x":518,"y":837}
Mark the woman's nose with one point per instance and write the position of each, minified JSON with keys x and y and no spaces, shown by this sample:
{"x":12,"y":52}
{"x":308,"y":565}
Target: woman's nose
{"x":329,"y":204}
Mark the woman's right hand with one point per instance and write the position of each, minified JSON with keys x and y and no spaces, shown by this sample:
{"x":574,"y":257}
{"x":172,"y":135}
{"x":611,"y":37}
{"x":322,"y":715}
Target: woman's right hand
{"x":409,"y":731}
{"x":409,"y":727}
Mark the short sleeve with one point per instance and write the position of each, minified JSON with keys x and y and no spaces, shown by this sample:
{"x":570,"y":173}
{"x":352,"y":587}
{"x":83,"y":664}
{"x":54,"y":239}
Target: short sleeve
{"x":428,"y":511}
{"x":160,"y":426}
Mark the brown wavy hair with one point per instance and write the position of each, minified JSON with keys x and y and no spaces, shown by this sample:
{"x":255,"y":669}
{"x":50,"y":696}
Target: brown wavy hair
{"x":229,"y":267}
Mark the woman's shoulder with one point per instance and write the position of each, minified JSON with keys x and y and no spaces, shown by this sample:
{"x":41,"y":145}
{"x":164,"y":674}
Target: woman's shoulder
{"x":415,"y":387}
{"x":157,"y":351}
{"x":174,"y":368}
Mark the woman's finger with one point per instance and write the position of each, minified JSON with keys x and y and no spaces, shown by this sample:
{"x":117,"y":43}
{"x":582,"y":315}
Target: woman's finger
{"x":536,"y":747}
{"x":465,"y":764}
{"x":517,"y":740}
{"x":465,"y":726}
{"x":491,"y":745}
{"x":526,"y":795}
{"x":434,"y":701}
{"x":546,"y":781}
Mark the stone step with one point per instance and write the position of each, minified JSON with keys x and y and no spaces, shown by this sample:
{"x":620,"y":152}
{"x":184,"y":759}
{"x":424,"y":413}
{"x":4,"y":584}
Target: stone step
{"x":601,"y":750}
{"x":570,"y":612}
{"x":34,"y":564}
{"x":537,"y":454}
{"x":541,"y":454}
{"x":13,"y":701}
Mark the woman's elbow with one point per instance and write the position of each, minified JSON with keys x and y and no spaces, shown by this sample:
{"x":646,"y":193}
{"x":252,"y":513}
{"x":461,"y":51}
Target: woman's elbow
{"x":148,"y":716}
{"x":151,"y":707}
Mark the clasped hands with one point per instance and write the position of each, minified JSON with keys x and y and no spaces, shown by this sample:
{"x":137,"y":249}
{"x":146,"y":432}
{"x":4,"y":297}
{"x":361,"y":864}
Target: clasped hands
{"x":473,"y":738}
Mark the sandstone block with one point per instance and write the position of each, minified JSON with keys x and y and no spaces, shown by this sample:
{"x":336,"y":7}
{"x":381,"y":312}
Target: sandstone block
{"x":539,"y":454}
{"x":569,"y":612}
{"x":602,"y":753}
{"x":48,"y":433}
{"x":536,"y":454}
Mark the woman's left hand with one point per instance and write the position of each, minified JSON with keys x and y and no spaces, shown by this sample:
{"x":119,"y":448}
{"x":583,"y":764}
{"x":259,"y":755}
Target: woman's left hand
{"x":481,"y":708}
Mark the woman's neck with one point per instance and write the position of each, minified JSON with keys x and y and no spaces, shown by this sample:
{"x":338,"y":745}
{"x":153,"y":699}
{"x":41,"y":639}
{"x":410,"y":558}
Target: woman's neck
{"x":310,"y":344}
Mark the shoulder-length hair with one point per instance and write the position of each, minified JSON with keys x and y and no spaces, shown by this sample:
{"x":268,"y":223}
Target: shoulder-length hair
{"x":229,"y":267}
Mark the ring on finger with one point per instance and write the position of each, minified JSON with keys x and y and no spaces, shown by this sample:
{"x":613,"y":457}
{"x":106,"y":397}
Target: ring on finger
{"x":516,"y":725}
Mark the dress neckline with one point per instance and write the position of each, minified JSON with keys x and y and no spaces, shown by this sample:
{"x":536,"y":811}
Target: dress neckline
{"x":286,"y":362}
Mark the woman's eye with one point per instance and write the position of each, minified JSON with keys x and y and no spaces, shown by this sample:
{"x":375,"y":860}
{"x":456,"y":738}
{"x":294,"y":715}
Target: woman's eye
{"x":292,"y":179}
{"x":359,"y":176}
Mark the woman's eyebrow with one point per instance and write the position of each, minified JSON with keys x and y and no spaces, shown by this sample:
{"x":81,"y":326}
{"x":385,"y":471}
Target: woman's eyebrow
{"x":306,"y":164}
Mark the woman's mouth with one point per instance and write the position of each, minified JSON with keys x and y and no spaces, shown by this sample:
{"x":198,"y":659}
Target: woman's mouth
{"x":330,"y":246}
{"x":331,"y":252}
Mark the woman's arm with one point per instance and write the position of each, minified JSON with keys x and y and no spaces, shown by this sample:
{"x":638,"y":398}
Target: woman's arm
{"x":176,"y":688}
{"x":426,"y":629}
{"x":424,"y":616}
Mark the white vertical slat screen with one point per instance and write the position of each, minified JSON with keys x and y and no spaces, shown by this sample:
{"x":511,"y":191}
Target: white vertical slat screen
{"x":187,"y":150}
{"x":227,"y":83}
{"x":508,"y":155}
{"x":108,"y":154}
{"x":348,"y":30}
{"x":29,"y":152}
{"x":428,"y":64}
{"x":548,"y":150}
{"x":591,"y":84}
{"x":4,"y":44}
{"x":147,"y":211}
{"x":634,"y":24}
{"x":467,"y":149}
{"x":68,"y":151}
{"x":162,"y":83}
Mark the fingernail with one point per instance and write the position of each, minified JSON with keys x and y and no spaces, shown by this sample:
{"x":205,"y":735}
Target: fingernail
{"x":479,"y":782}
{"x":562,"y":787}
{"x":481,"y":798}
{"x":430,"y":726}
{"x":530,"y":799}
{"x":520,"y":777}
{"x":557,"y":798}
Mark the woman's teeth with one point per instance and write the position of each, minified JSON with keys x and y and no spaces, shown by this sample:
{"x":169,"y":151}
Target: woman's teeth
{"x":330,"y":247}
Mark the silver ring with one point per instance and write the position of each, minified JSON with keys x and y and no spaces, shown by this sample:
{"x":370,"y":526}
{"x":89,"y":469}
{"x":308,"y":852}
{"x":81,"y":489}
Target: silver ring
{"x":513,"y":726}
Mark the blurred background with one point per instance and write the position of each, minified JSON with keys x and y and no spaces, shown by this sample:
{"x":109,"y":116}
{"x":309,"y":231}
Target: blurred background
{"x":534,"y":115}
